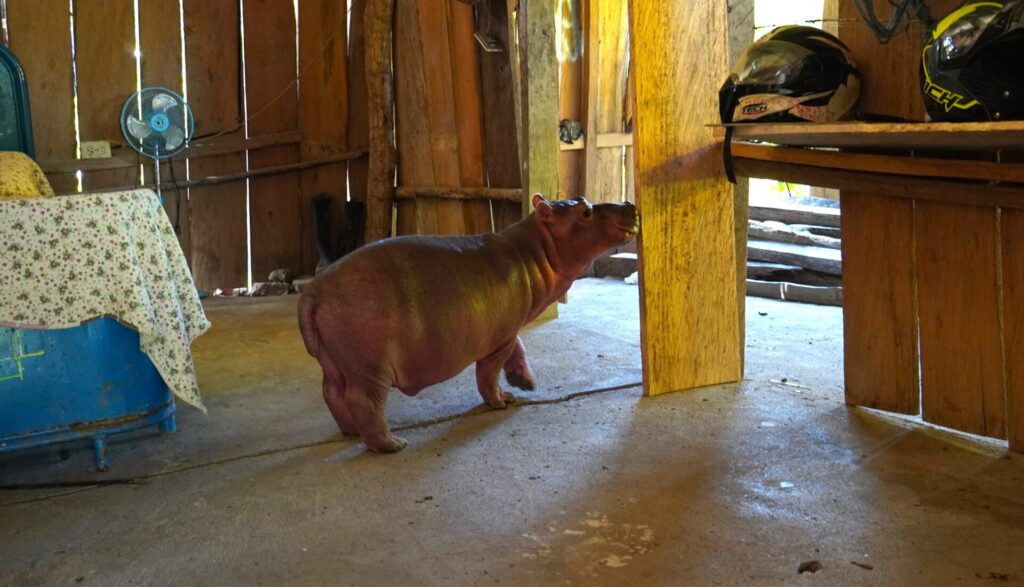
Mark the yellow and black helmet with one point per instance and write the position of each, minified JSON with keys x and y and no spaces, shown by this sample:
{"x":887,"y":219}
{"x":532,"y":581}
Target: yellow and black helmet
{"x":972,"y":68}
{"x":792,"y":74}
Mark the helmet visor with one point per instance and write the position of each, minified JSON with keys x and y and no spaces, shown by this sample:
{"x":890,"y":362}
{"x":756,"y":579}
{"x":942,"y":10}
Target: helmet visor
{"x":960,"y":37}
{"x":771,"y":63}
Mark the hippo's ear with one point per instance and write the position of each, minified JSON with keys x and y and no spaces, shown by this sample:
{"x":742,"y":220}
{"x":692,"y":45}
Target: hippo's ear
{"x":543,"y":207}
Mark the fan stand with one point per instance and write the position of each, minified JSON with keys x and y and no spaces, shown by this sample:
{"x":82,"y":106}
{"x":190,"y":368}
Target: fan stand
{"x":156,"y":165}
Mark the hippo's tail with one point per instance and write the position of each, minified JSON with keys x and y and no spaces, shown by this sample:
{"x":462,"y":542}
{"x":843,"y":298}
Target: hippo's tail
{"x":307,"y":324}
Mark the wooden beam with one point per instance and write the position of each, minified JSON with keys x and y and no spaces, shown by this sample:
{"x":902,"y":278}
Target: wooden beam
{"x":380,"y":98}
{"x":892,"y":186}
{"x":934,"y":168}
{"x":210,"y":180}
{"x":126,"y":158}
{"x":689,"y":327}
{"x":455,"y":193}
{"x":906,"y":135}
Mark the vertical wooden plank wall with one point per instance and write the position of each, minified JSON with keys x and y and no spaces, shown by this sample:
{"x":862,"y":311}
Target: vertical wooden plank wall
{"x":439,"y":116}
{"x":217,"y":213}
{"x":929,"y":270}
{"x":105,"y":62}
{"x":160,"y":46}
{"x":272,"y":98}
{"x":879,"y":323}
{"x":323,"y":110}
{"x":688,"y":304}
{"x":501,"y":147}
{"x":40,"y":36}
{"x":940,"y":256}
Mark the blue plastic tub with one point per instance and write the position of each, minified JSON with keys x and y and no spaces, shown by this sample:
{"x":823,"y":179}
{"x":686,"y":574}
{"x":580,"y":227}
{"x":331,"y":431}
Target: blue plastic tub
{"x":82,"y":383}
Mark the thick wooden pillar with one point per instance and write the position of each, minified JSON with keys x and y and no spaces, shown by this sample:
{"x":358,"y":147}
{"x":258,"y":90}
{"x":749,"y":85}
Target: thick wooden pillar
{"x":380,"y":91}
{"x":690,"y":332}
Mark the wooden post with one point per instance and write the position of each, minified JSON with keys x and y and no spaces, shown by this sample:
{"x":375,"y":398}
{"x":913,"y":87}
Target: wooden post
{"x":380,"y":93}
{"x":741,"y":34}
{"x":688,"y":300}
{"x":540,"y":103}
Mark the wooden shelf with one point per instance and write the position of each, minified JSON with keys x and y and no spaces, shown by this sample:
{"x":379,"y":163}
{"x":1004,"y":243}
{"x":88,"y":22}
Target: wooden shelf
{"x":910,"y":135}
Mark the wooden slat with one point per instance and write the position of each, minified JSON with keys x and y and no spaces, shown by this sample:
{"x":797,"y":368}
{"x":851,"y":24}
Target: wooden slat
{"x":40,"y":37}
{"x":379,"y":26}
{"x":323,"y":110}
{"x":688,"y":294}
{"x":879,"y":327}
{"x":272,"y":97}
{"x":961,"y":363}
{"x":105,"y":65}
{"x":435,"y":41}
{"x":217,"y":214}
{"x":160,"y":45}
{"x":912,"y":135}
{"x":607,"y":86}
{"x":1012,"y":230}
{"x":915,"y":166}
{"x":416,"y":166}
{"x":501,"y":141}
{"x":571,"y":94}
{"x":358,"y":115}
{"x":468,"y":114}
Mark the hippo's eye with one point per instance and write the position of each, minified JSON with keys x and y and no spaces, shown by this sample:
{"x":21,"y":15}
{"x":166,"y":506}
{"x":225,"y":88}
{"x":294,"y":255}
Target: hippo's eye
{"x":588,"y":212}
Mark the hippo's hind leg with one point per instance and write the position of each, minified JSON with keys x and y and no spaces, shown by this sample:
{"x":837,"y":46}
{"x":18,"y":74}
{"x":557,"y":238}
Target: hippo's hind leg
{"x":334,"y":397}
{"x":334,"y":394}
{"x":487,"y":371}
{"x":517,"y":369}
{"x":365,"y":401}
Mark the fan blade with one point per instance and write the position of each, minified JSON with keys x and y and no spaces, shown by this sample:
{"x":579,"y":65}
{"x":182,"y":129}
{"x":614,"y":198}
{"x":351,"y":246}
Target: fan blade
{"x":138,"y":129}
{"x":173,"y":138}
{"x":163,"y":102}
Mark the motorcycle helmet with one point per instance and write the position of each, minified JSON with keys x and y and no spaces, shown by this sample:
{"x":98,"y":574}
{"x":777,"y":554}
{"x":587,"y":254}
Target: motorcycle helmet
{"x":972,"y":68}
{"x":792,"y":74}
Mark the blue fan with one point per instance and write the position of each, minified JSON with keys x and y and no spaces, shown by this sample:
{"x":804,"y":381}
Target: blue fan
{"x":157,"y":123}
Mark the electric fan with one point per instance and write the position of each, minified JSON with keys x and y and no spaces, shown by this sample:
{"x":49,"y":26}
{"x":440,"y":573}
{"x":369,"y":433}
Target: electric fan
{"x":157,"y":123}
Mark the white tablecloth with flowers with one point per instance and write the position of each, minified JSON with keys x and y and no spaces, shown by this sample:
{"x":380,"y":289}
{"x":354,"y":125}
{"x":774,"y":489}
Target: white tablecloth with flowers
{"x":70,"y":259}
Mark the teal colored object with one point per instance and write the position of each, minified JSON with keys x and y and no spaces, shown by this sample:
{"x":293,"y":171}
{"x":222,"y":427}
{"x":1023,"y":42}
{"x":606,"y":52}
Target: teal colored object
{"x":15,"y":117}
{"x":74,"y":384}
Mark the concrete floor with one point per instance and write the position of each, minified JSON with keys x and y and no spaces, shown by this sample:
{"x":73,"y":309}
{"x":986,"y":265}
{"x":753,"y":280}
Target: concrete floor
{"x":590,"y":483}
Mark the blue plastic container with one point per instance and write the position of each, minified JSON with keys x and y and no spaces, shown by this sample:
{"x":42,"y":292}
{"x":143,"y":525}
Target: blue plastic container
{"x":78,"y":383}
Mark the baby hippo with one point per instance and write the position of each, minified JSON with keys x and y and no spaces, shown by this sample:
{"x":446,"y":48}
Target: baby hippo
{"x":412,"y":311}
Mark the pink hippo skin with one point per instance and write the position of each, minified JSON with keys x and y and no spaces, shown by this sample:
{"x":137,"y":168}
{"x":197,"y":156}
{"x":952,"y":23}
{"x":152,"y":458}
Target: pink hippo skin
{"x":412,"y":311}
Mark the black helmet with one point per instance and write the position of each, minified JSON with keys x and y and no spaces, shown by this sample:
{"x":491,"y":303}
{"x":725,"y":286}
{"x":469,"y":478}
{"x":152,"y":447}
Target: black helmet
{"x":792,"y":74}
{"x":973,"y":65}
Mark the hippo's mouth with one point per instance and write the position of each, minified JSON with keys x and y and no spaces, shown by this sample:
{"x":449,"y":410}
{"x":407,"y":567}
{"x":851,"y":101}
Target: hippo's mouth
{"x":630,"y":231}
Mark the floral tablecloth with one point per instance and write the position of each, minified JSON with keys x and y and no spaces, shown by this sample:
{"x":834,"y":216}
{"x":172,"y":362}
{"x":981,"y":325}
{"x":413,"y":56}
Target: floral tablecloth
{"x":70,"y":259}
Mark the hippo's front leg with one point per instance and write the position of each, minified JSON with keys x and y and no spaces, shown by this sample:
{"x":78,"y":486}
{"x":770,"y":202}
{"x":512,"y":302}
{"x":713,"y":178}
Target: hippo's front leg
{"x":487,"y":371}
{"x":517,"y":369}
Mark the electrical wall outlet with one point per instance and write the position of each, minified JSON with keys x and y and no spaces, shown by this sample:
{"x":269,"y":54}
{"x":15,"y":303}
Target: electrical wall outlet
{"x":96,"y":150}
